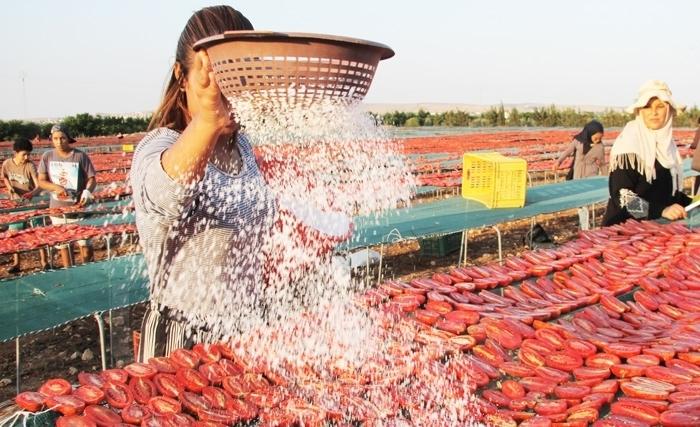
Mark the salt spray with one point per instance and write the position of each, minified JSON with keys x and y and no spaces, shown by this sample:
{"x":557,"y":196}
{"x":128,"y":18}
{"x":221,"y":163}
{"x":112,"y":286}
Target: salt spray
{"x":303,"y":320}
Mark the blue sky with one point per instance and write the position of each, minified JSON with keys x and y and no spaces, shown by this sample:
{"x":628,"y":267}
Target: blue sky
{"x":113,"y":56}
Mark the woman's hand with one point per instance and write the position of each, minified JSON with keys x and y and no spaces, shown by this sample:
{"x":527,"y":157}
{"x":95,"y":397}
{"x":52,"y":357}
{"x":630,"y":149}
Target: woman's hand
{"x":674,"y":212}
{"x":213,"y":109}
{"x":60,"y":192}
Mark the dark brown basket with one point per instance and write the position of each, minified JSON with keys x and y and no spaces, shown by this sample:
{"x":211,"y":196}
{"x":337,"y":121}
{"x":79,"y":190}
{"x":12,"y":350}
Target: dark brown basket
{"x":293,"y":67}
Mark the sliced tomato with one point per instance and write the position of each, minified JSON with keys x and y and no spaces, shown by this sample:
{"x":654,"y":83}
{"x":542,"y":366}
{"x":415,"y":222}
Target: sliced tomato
{"x":115,"y":375}
{"x":623,"y":350}
{"x":192,"y":380}
{"x":163,"y":364}
{"x":586,"y":372}
{"x":538,"y":384}
{"x":89,"y":394}
{"x":231,"y":367}
{"x":552,"y":374}
{"x":168,"y":385}
{"x":75,"y":421}
{"x":90,"y":378}
{"x":219,"y":416}
{"x":244,"y":409}
{"x":669,"y":375}
{"x":56,"y":387}
{"x":551,"y":407}
{"x":184,"y":358}
{"x":679,"y":419}
{"x":142,"y":389}
{"x":31,"y":401}
{"x":623,"y":370}
{"x":193,"y":403}
{"x":429,"y":317}
{"x":118,"y":395}
{"x":642,"y":391}
{"x":517,"y":369}
{"x":215,"y":396}
{"x":644,"y":360}
{"x":141,"y":370}
{"x":454,"y":327}
{"x":208,"y":353}
{"x":161,"y":405}
{"x":607,"y":386}
{"x":602,"y":360}
{"x":213,"y":372}
{"x":102,"y":416}
{"x":580,"y":347}
{"x":565,"y":361}
{"x":512,"y":389}
{"x":635,"y":410}
{"x":571,"y":391}
{"x":496,"y":397}
{"x":135,"y":413}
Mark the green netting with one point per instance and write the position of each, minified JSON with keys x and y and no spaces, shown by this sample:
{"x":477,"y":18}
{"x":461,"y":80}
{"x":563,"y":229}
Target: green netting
{"x":457,"y":214}
{"x":45,"y":300}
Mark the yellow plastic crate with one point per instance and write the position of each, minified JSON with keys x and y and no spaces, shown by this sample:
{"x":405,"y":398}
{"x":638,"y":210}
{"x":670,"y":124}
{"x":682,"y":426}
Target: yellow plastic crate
{"x":128,"y":148}
{"x":495,"y":180}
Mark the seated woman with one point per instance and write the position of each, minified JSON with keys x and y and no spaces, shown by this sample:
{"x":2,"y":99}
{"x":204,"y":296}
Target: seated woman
{"x":646,"y":171}
{"x":589,"y":154}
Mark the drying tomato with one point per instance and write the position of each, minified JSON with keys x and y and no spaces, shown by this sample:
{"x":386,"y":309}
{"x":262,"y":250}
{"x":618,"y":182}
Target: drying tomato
{"x":633,"y":389}
{"x":571,"y":391}
{"x":230,"y":367}
{"x":659,"y":405}
{"x":602,"y":360}
{"x":644,"y":360}
{"x":550,"y":407}
{"x":142,"y":389}
{"x":184,"y":358}
{"x":669,"y":375}
{"x":451,"y":326}
{"x":115,"y":375}
{"x":118,"y":395}
{"x":192,"y":380}
{"x":462,"y":316}
{"x":168,"y":385}
{"x":586,"y":372}
{"x":163,"y":364}
{"x":102,"y":416}
{"x":215,"y":396}
{"x":219,"y":416}
{"x":538,"y":384}
{"x":679,"y":419}
{"x":512,"y":389}
{"x":193,"y":403}
{"x":141,"y":370}
{"x":213,"y":372}
{"x":75,"y":421}
{"x":623,"y":370}
{"x":607,"y":386}
{"x":691,"y":357}
{"x":635,"y":410}
{"x":135,"y":413}
{"x":89,"y":394}
{"x":496,"y":397}
{"x":161,"y":405}
{"x":208,"y":353}
{"x":552,"y":374}
{"x":244,"y":410}
{"x":30,"y":401}
{"x":581,"y":348}
{"x":531,"y":357}
{"x":429,"y":317}
{"x":623,"y":350}
{"x":517,"y":369}
{"x":564,"y":361}
{"x":89,"y":378}
{"x":56,"y":387}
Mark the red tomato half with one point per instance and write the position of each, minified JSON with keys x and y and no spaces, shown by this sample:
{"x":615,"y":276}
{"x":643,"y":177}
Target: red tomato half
{"x":66,"y":405}
{"x":207,"y":353}
{"x":89,"y":394}
{"x":141,"y":370}
{"x":161,"y":405}
{"x":115,"y":375}
{"x":142,"y":389}
{"x":118,"y":395}
{"x":102,"y":416}
{"x":163,"y":364}
{"x":56,"y":387}
{"x":30,"y":401}
{"x":192,"y":380}
{"x":75,"y":421}
{"x":135,"y":413}
{"x":90,"y":378}
{"x":185,"y":358}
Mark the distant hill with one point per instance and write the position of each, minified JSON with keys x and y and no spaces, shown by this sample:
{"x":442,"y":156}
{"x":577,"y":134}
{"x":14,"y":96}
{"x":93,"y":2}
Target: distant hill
{"x":436,"y":107}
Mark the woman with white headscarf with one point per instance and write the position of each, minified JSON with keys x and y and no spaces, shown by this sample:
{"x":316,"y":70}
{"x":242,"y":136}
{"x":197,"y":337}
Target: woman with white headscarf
{"x":646,"y":171}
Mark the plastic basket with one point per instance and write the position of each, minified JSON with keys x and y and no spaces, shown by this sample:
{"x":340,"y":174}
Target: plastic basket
{"x":128,"y":148}
{"x":495,"y":180}
{"x":293,"y":67}
{"x":440,"y":246}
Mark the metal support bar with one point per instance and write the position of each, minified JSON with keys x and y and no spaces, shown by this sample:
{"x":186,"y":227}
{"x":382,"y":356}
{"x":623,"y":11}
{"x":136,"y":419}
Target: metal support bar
{"x":109,"y":247}
{"x":381,"y":258}
{"x":111,"y":347}
{"x":500,"y":244}
{"x":17,"y":347}
{"x":101,"y":329}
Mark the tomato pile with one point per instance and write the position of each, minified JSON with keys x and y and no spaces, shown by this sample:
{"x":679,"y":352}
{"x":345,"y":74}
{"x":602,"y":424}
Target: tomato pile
{"x":12,"y":241}
{"x":603,"y":330}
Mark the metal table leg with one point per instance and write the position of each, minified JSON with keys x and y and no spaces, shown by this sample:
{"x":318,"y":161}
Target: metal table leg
{"x":101,"y":329}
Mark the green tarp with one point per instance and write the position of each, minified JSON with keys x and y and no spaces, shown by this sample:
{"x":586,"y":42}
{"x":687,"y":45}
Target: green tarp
{"x":45,"y":300}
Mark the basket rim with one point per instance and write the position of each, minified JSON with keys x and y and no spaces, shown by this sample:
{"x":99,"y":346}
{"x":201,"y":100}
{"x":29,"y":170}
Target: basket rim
{"x":248,"y":35}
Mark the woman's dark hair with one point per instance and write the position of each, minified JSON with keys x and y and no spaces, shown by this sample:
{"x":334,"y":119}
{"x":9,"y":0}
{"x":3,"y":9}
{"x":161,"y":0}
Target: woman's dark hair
{"x":207,"y":22}
{"x":22,"y":144}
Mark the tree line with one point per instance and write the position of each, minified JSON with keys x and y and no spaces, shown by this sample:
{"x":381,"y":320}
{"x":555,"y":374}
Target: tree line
{"x":80,"y":125}
{"x":87,"y":125}
{"x":498,"y":116}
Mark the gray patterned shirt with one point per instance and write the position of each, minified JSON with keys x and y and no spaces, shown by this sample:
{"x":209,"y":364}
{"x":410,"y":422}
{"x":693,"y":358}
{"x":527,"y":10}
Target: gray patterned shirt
{"x":202,"y":243}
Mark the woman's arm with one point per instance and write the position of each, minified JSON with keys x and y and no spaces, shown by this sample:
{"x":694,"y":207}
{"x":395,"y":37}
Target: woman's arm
{"x":185,"y":161}
{"x":696,"y":160}
{"x":696,"y":139}
{"x":47,"y":185}
{"x":566,"y":153}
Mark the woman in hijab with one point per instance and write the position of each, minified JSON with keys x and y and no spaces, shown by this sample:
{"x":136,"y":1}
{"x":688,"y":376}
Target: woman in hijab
{"x":589,"y":154}
{"x":646,"y":172}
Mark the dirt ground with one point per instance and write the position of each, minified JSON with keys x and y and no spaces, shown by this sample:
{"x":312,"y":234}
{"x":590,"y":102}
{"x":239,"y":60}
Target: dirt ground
{"x":66,"y":350}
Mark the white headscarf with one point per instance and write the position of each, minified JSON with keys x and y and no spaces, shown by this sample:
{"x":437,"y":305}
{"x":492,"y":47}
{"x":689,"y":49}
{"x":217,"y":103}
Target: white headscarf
{"x":638,"y":147}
